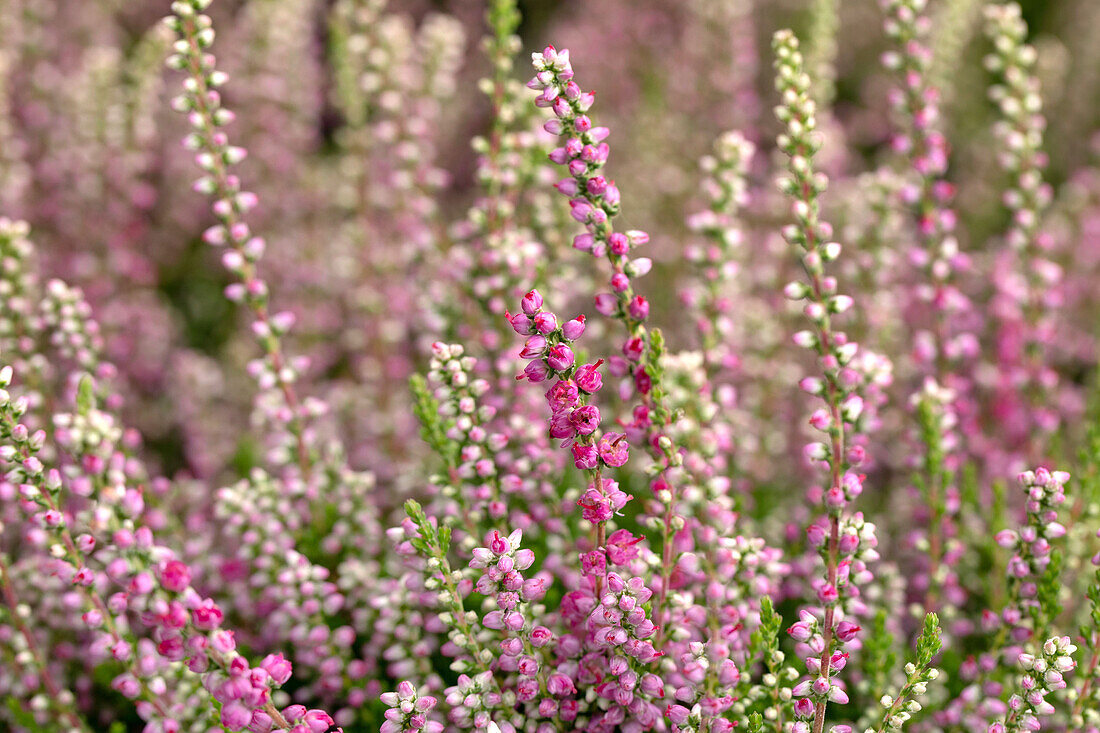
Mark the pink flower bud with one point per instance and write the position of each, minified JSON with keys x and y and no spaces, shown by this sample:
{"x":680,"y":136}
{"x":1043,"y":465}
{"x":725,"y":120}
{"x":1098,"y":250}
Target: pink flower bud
{"x":606,"y":303}
{"x":846,"y":631}
{"x":567,"y":186}
{"x":596,"y":185}
{"x":678,"y":714}
{"x":588,"y":378}
{"x":800,"y":631}
{"x":222,"y":641}
{"x":175,"y":576}
{"x":560,"y":357}
{"x":535,"y":372}
{"x":521,"y":324}
{"x":633,"y":348}
{"x":816,"y":534}
{"x":583,"y":242}
{"x":278,"y":667}
{"x":573,"y":329}
{"x":531,"y":303}
{"x":541,"y":636}
{"x":545,"y":322}
{"x":613,"y":449}
{"x":533,"y":348}
{"x":828,"y":594}
{"x":559,"y":685}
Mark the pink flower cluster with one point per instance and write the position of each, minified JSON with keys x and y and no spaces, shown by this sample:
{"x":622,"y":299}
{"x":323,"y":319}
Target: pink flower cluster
{"x":670,"y":520}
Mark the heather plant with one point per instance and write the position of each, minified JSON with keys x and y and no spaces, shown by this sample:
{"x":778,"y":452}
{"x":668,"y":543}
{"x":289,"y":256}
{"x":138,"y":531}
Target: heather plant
{"x":776,"y":422}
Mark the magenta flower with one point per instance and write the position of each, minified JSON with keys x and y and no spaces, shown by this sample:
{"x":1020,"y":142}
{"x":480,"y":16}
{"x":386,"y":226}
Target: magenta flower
{"x":622,"y":547}
{"x":614,"y":450}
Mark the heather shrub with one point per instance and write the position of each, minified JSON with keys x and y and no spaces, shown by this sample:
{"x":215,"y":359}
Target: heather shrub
{"x":393,"y":400}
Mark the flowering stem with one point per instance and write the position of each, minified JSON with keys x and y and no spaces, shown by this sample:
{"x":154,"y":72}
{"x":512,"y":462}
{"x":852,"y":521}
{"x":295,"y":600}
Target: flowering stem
{"x":832,"y":397}
{"x":594,"y":202}
{"x":203,"y":102}
{"x":504,"y":18}
{"x":433,"y":544}
{"x":838,"y":390}
{"x":826,"y":652}
{"x":57,"y":697}
{"x":77,"y":558}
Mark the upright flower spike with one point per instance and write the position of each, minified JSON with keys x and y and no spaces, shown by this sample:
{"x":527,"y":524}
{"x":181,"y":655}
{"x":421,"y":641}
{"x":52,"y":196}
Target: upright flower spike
{"x":939,"y":315}
{"x":475,"y":701}
{"x":717,"y":261}
{"x":918,"y":675}
{"x":201,"y":102}
{"x":502,"y":563}
{"x":607,"y":613}
{"x":1042,"y":674}
{"x":594,"y":201}
{"x":476,"y":471}
{"x":1034,"y":582}
{"x":1032,"y":552}
{"x":936,"y":472}
{"x":1028,"y":280}
{"x":839,"y":416}
{"x":573,"y":420}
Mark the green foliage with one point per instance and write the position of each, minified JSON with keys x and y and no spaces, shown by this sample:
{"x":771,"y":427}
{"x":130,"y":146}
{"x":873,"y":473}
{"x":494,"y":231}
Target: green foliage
{"x":821,"y":49}
{"x":918,"y":673}
{"x":1088,"y":477}
{"x":929,"y":643}
{"x":433,"y":431}
{"x":1049,"y":590}
{"x":21,"y":715}
{"x":85,"y":395}
{"x":246,"y":457}
{"x":879,"y":652}
{"x":764,"y":644}
{"x":764,"y":640}
{"x":1087,"y":631}
{"x":504,"y":18}
{"x":651,"y":362}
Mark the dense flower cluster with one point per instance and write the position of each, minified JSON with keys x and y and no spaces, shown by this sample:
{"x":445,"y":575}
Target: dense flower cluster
{"x":667,"y":519}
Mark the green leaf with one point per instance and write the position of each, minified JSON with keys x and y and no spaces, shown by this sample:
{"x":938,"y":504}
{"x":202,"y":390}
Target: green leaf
{"x":22,"y":716}
{"x":85,"y":395}
{"x":929,"y":643}
{"x":1049,"y":590}
{"x":432,"y":430}
{"x":765,"y":639}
